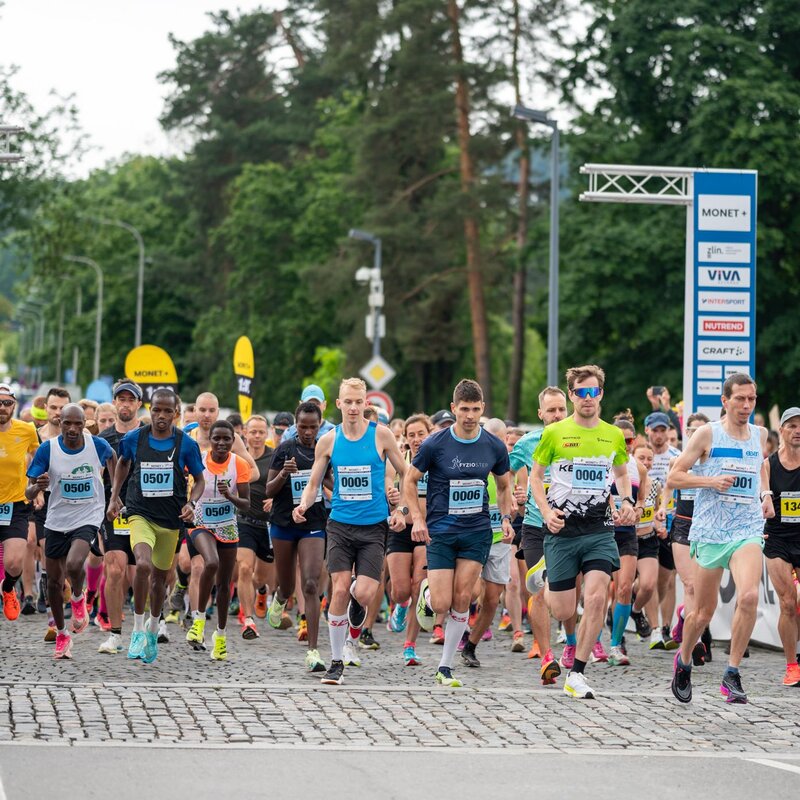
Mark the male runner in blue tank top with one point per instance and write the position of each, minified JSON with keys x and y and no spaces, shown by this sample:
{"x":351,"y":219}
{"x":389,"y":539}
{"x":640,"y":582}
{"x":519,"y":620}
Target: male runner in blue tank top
{"x":457,"y":529}
{"x":732,"y":501}
{"x":357,"y":527}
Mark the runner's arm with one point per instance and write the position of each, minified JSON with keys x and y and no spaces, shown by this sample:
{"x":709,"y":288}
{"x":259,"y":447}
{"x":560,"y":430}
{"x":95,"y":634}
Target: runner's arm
{"x":767,"y":504}
{"x":240,"y":450}
{"x":121,"y":472}
{"x":419,"y":530}
{"x":322,"y":458}
{"x":679,"y":477}
{"x":242,"y":502}
{"x":506,"y":504}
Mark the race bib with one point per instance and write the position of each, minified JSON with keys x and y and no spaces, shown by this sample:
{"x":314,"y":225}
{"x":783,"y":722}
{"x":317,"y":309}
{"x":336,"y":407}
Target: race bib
{"x":299,"y":481}
{"x":466,"y":497}
{"x":648,"y":515}
{"x":355,"y":484}
{"x":496,"y":519}
{"x":745,"y":483}
{"x":76,"y":489}
{"x":589,"y":476}
{"x":122,"y":527}
{"x":156,"y":479}
{"x":422,"y":486}
{"x":790,"y":507}
{"x":217,"y":512}
{"x":6,"y":511}
{"x":688,"y":494}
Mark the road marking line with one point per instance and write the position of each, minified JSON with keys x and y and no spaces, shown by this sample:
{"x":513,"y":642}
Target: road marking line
{"x":776,"y":764}
{"x":2,"y":790}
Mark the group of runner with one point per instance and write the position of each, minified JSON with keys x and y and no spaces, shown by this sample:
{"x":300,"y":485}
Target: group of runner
{"x":451,"y":516}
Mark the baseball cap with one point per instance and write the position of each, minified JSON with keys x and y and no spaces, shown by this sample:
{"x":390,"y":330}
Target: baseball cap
{"x":5,"y":388}
{"x":794,"y":411}
{"x":312,"y":392}
{"x":283,"y":418}
{"x":657,"y":418}
{"x":383,"y":417}
{"x":443,"y":417}
{"x":129,"y":387}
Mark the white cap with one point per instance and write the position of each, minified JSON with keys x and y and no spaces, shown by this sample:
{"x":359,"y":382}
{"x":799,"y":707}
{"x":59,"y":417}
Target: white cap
{"x":5,"y":388}
{"x":794,"y":411}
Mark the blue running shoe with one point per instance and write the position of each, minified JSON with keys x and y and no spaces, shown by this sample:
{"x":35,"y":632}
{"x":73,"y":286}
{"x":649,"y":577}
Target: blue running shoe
{"x":410,"y":656}
{"x":397,"y":622}
{"x":150,"y":647}
{"x":136,"y":647}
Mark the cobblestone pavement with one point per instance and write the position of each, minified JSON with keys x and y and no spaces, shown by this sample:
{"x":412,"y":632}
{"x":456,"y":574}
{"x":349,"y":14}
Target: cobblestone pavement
{"x":262,"y":696}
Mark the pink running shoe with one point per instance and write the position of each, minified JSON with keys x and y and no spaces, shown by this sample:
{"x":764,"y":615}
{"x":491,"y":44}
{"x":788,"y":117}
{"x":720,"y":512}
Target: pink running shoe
{"x":598,"y":653}
{"x":80,"y":618}
{"x":487,"y":635}
{"x":568,"y":656}
{"x":677,"y":631}
{"x":63,"y":646}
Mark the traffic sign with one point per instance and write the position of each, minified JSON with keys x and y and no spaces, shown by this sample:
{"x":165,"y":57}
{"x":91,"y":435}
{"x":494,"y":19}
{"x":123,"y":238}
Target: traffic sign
{"x":382,"y":400}
{"x":377,"y":372}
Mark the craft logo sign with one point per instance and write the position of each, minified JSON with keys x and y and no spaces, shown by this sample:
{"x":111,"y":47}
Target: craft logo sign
{"x":738,"y":352}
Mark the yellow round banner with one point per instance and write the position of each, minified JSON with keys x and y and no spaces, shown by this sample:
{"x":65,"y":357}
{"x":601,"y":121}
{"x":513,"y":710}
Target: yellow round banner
{"x":244,"y":368}
{"x":151,"y":367}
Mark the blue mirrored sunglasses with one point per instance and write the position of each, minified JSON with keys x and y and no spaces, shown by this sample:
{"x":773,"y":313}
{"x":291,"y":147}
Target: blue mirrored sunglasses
{"x":587,"y":391}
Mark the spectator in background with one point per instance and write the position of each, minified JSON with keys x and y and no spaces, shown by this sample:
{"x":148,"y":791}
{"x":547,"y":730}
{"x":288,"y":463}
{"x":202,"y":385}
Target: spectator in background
{"x":281,"y":422}
{"x":38,"y":412}
{"x":237,"y":422}
{"x":106,"y":416}
{"x":660,"y":401}
{"x":773,"y":442}
{"x":89,"y":408}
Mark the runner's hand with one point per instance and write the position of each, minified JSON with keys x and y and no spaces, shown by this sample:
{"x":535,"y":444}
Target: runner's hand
{"x":722,"y":482}
{"x":187,"y":513}
{"x":508,"y":532}
{"x":661,"y":533}
{"x":289,"y":467}
{"x":38,"y":502}
{"x":43,"y":481}
{"x":419,"y":532}
{"x":397,"y":522}
{"x":661,"y":515}
{"x":520,"y":495}
{"x":114,"y":507}
{"x":267,"y":505}
{"x":767,"y":507}
{"x":225,"y":490}
{"x":554,"y":520}
{"x":393,"y":496}
{"x":299,"y":513}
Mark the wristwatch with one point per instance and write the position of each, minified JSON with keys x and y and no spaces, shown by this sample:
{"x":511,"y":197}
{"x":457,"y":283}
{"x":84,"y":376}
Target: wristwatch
{"x":765,"y":493}
{"x":505,"y":517}
{"x":629,"y":500}
{"x":402,"y":509}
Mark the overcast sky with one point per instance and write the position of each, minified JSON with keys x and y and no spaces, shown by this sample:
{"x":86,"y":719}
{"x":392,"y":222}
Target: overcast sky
{"x":108,"y":54}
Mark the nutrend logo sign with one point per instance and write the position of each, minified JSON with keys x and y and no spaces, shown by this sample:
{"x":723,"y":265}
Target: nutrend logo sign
{"x":724,"y":326}
{"x":723,"y":252}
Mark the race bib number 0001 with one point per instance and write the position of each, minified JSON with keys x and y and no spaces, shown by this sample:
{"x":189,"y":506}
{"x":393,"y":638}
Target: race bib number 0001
{"x":589,"y":476}
{"x":745,"y":483}
{"x":355,"y":483}
{"x":156,"y":478}
{"x":299,"y":481}
{"x":790,"y":507}
{"x":466,"y":497}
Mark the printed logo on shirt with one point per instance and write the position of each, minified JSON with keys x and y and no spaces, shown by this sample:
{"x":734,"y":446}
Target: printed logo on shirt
{"x":459,"y":464}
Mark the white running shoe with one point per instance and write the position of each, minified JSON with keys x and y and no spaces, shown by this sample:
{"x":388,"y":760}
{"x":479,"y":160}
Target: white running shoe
{"x":575,"y":686}
{"x":163,"y":636}
{"x":350,"y":655}
{"x":616,"y":657}
{"x":112,"y":645}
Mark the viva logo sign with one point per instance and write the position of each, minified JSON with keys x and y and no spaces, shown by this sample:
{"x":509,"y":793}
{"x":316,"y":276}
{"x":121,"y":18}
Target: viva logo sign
{"x":724,"y":276}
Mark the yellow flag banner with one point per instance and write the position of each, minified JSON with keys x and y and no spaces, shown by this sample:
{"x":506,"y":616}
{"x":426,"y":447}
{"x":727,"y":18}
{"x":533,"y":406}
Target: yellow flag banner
{"x":152,"y":368}
{"x":244,"y":368}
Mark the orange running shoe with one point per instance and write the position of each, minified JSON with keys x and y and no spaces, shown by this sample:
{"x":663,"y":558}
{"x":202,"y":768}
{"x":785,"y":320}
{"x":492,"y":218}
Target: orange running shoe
{"x":550,"y":669}
{"x":505,"y":623}
{"x":518,"y":645}
{"x":261,"y":605}
{"x":11,"y":604}
{"x":302,"y":631}
{"x":437,"y":636}
{"x":535,"y":651}
{"x":792,"y":676}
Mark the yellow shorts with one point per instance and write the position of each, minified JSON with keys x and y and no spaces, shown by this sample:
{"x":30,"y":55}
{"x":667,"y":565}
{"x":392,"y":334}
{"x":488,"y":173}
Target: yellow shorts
{"x":162,"y":541}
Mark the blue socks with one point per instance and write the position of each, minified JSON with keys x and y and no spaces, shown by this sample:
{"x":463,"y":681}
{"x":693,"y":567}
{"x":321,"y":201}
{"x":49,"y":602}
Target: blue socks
{"x":572,"y":639}
{"x":621,"y":615}
{"x":732,"y":670}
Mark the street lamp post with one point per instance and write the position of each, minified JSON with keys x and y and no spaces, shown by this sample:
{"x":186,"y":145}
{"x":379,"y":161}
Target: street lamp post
{"x":530,"y":115}
{"x":37,"y":338}
{"x":98,"y":330}
{"x":373,"y":278}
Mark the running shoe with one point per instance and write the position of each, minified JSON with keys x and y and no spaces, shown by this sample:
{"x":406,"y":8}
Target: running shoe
{"x":792,"y":676}
{"x":699,"y":654}
{"x":11,"y":604}
{"x":677,"y":631}
{"x":102,"y":621}
{"x":705,"y":638}
{"x":41,"y":600}
{"x":334,"y":674}
{"x":410,"y":656}
{"x":657,"y":640}
{"x":535,"y":651}
{"x":28,"y":607}
{"x":731,"y":688}
{"x":350,"y":656}
{"x":112,"y":645}
{"x":727,"y":651}
{"x":444,"y":677}
{"x":367,"y":640}
{"x":163,"y":636}
{"x":567,"y":660}
{"x":598,"y":653}
{"x":487,"y":635}
{"x":468,"y":655}
{"x":575,"y":686}
{"x":463,"y":641}
{"x":275,"y":615}
{"x":314,"y":662}
{"x":63,"y":646}
{"x":249,"y":631}
{"x":425,"y":616}
{"x":233,"y":606}
{"x":173,"y":618}
{"x":356,"y":613}
{"x":150,"y":653}
{"x":535,"y":576}
{"x":261,"y":605}
{"x":518,"y":642}
{"x":302,"y":630}
{"x":80,"y":617}
{"x":219,"y":650}
{"x":397,"y":621}
{"x":643,"y":628}
{"x":681,"y":681}
{"x":616,"y":658}
{"x":50,"y":633}
{"x":550,"y":669}
{"x":438,"y":635}
{"x":669,"y":642}
{"x":177,"y":600}
{"x":136,"y":647}
{"x":196,"y":634}
{"x":505,"y":623}
{"x":561,"y":638}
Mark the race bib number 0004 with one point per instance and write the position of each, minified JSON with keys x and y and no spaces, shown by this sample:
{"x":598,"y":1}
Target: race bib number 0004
{"x":589,"y":476}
